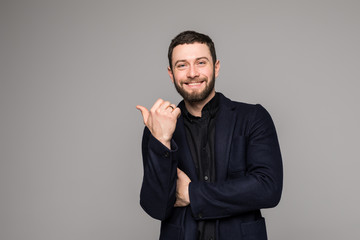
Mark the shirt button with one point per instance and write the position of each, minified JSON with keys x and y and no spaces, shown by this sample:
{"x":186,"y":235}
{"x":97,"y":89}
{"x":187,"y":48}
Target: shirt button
{"x":206,"y":178}
{"x":166,"y":154}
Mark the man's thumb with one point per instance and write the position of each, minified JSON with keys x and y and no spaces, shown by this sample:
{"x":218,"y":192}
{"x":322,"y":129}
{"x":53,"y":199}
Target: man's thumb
{"x":144,"y":113}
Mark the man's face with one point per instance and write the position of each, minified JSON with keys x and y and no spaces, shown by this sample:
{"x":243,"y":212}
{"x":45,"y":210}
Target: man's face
{"x":193,"y":72}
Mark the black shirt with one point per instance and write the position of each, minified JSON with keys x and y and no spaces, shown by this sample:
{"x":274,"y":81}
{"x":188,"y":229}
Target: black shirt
{"x":200,"y":133}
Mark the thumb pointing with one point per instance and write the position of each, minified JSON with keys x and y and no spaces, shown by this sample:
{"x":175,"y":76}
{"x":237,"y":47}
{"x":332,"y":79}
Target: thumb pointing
{"x":144,"y":112}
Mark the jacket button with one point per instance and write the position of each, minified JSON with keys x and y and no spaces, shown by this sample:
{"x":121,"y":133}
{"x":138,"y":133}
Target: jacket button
{"x":166,"y":154}
{"x":206,"y":178}
{"x":200,"y":215}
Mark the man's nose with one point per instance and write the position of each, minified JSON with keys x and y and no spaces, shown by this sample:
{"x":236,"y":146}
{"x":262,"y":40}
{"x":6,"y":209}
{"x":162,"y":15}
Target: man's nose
{"x":192,"y":72}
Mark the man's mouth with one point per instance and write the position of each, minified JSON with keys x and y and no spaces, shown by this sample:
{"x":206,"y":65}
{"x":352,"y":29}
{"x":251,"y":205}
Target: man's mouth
{"x":194,"y":84}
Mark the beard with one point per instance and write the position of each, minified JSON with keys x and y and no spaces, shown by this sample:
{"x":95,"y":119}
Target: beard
{"x":194,"y":97}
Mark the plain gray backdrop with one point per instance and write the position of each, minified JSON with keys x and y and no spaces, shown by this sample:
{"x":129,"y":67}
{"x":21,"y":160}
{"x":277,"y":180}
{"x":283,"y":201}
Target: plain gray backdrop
{"x":72,"y":73}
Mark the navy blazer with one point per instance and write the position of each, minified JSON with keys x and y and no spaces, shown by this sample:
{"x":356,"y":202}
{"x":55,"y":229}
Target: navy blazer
{"x":249,"y":176}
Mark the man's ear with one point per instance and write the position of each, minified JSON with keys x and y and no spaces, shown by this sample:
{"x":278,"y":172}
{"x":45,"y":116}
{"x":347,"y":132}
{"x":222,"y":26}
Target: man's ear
{"x":171,"y":74}
{"x":217,"y":68}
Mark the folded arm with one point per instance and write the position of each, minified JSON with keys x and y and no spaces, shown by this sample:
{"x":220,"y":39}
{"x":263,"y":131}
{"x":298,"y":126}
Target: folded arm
{"x":258,"y":186}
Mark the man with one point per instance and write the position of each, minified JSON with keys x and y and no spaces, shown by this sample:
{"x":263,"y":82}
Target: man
{"x":210,"y":164}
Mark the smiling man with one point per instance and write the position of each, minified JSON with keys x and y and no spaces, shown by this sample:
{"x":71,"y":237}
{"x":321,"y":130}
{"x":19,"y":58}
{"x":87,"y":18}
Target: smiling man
{"x":210,"y":164}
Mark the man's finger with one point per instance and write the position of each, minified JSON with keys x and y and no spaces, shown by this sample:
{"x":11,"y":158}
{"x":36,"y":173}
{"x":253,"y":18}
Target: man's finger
{"x":182,"y":176}
{"x":157,"y":104}
{"x":177,"y":112}
{"x":144,"y":113}
{"x":165,"y":105}
{"x":178,"y":171}
{"x":171,"y":107}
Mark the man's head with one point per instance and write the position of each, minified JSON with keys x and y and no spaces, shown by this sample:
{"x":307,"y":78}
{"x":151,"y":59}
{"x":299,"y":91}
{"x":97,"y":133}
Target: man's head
{"x":193,"y":66}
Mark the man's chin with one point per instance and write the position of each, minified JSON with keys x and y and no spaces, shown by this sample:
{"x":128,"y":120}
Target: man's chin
{"x":195,"y":97}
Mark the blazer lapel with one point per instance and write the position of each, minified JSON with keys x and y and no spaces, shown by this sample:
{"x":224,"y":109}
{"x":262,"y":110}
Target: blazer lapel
{"x":224,"y":128}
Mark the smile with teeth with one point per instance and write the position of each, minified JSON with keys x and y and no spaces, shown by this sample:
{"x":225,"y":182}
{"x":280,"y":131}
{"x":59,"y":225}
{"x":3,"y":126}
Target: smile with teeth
{"x":194,"y":84}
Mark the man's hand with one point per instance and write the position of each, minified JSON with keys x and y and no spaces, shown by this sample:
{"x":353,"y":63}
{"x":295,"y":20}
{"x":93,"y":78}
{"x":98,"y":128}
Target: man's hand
{"x":161,"y":120}
{"x":182,"y":189}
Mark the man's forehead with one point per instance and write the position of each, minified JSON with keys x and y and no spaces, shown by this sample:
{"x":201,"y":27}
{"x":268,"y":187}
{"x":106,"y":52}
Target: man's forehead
{"x":190,"y":51}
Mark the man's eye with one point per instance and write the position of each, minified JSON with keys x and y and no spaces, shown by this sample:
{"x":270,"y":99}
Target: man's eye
{"x":181,"y":65}
{"x":201,"y":62}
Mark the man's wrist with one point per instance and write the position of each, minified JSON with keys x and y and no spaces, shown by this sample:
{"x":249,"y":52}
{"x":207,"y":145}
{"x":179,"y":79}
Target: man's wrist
{"x":165,"y":142}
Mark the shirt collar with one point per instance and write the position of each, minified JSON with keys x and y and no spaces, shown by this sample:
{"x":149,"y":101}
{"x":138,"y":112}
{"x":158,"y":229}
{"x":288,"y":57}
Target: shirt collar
{"x":209,"y":110}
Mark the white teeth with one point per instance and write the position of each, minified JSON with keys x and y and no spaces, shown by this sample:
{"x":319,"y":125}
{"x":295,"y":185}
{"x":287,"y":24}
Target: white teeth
{"x":194,"y":84}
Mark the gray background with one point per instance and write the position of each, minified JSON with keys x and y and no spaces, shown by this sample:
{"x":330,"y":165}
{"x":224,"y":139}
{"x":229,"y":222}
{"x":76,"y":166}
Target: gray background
{"x":72,"y":73}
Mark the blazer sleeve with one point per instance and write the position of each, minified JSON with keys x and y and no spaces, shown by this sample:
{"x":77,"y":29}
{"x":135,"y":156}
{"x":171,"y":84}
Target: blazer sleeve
{"x":259,"y":186}
{"x":157,"y":195}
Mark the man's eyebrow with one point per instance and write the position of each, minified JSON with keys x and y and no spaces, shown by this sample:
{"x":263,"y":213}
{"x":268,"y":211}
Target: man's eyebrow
{"x":202,"y":58}
{"x":197,"y":59}
{"x":179,"y":61}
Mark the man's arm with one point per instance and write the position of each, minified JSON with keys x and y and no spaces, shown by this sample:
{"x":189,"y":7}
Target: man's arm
{"x":157,"y":195}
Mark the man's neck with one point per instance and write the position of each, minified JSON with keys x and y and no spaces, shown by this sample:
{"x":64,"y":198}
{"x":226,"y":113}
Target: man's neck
{"x":195,"y":108}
